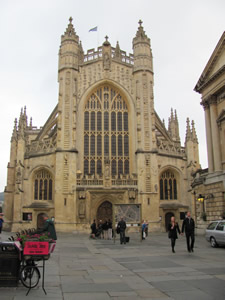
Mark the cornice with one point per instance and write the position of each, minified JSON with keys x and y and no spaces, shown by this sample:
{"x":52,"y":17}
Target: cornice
{"x":203,"y":84}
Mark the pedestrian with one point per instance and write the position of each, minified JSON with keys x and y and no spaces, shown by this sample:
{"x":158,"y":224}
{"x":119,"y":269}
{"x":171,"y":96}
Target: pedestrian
{"x":93,"y":229}
{"x":109,"y":229}
{"x":146,"y":228}
{"x":105,"y":229}
{"x":121,"y":227}
{"x":1,"y":223}
{"x":189,"y":227}
{"x":143,"y":227}
{"x":100,"y":229}
{"x":173,"y":228}
{"x":49,"y":227}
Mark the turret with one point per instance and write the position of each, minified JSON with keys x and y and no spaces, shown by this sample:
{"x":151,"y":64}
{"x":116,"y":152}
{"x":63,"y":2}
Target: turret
{"x":69,"y":49}
{"x":173,"y":126}
{"x":142,"y":51}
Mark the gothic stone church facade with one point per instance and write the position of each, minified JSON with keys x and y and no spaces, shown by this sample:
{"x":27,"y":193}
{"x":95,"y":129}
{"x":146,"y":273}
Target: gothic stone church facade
{"x":103,"y":144}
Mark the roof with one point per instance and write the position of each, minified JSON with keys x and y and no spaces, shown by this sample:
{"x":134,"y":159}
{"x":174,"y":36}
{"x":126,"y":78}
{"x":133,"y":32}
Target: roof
{"x":214,"y":67}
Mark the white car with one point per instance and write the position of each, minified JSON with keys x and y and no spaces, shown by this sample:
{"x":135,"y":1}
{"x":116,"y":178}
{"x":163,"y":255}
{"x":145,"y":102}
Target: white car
{"x":215,"y":233}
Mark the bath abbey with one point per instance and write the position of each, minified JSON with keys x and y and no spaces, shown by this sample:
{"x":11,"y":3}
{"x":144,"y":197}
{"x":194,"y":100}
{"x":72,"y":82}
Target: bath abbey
{"x":103,"y":145}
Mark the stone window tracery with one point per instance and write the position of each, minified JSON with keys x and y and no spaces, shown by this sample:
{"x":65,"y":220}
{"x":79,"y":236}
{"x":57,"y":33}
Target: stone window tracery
{"x":168,"y":186}
{"x":43,"y":185}
{"x":106,"y":132}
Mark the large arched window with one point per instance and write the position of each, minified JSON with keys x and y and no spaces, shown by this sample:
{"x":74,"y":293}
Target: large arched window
{"x":106,"y":132}
{"x":43,"y":185}
{"x":168,"y":186}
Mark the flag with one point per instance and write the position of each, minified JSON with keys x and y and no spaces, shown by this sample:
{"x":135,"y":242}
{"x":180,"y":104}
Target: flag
{"x":94,"y":29}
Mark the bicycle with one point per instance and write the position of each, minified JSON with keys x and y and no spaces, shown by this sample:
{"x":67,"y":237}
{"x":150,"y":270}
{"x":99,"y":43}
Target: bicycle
{"x":29,"y":274}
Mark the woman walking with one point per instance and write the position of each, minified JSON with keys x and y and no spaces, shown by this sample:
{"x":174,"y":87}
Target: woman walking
{"x":173,"y":228}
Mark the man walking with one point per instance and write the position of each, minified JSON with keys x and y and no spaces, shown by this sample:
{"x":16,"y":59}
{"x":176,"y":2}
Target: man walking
{"x":189,"y":227}
{"x":122,"y":227}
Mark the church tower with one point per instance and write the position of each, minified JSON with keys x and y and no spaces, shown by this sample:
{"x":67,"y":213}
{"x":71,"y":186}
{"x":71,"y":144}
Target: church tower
{"x":66,"y":152}
{"x":146,"y":140}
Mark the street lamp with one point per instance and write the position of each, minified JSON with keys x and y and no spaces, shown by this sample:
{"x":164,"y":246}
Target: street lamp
{"x":201,"y":198}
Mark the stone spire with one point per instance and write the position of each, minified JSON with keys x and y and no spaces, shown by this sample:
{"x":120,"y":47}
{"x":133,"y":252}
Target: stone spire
{"x":193,"y":132}
{"x":14,"y":134}
{"x":81,"y":54}
{"x":22,"y":122}
{"x":70,"y":29}
{"x":141,"y":35}
{"x":117,"y":54}
{"x":188,"y":132}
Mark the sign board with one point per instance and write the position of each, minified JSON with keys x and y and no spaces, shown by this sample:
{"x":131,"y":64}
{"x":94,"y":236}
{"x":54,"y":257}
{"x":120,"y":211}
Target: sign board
{"x":36,"y":248}
{"x":130,"y":212}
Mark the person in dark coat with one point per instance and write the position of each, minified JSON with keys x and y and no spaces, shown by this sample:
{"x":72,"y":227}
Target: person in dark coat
{"x":173,"y":228}
{"x":1,"y":223}
{"x":49,"y":227}
{"x":189,"y":227}
{"x":122,"y":228}
{"x":93,"y":229}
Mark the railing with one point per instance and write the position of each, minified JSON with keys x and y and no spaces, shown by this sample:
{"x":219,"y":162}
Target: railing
{"x":90,"y":181}
{"x":93,"y":54}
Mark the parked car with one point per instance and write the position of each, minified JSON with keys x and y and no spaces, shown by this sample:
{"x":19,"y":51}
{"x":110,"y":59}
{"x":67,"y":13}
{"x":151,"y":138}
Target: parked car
{"x":215,"y":233}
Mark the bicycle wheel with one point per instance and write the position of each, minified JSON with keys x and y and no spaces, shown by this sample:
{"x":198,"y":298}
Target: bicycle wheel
{"x":29,"y":276}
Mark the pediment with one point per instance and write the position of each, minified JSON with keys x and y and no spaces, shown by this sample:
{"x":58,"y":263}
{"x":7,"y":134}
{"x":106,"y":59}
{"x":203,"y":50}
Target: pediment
{"x":214,"y":67}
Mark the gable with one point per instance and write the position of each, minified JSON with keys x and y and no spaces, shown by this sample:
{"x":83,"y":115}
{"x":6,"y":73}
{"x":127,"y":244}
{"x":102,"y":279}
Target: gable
{"x":214,"y":67}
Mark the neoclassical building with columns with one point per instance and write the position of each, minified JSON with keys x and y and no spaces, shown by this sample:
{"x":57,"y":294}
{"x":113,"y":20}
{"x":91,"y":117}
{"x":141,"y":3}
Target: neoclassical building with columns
{"x":210,"y":183}
{"x":103,"y":144}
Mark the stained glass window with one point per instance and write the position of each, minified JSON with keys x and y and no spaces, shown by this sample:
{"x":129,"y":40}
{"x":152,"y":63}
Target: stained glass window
{"x":43,"y":185}
{"x":106,"y":132}
{"x":168,"y":186}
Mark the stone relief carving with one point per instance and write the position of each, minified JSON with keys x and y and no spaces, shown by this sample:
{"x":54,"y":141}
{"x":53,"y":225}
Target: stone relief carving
{"x":106,"y":61}
{"x":82,"y":209}
{"x":82,"y":194}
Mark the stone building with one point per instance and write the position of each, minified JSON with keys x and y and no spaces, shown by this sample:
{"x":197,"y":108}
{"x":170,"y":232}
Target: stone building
{"x":103,"y":144}
{"x":209,"y":184}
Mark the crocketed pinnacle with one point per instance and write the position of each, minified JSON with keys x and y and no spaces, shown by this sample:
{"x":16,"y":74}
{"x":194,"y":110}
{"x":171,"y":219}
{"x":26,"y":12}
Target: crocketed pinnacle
{"x":188,"y":132}
{"x":14,"y":134}
{"x":70,"y":29}
{"x":117,"y":53}
{"x":141,"y":35}
{"x":193,"y":132}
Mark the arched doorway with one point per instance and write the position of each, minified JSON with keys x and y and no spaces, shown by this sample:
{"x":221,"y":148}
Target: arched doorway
{"x":40,"y":221}
{"x":104,"y":211}
{"x":167,"y":219}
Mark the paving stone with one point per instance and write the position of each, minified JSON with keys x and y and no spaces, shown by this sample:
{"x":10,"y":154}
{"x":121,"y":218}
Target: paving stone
{"x":86,"y":296}
{"x":151,"y":293}
{"x":193,"y":295}
{"x":88,"y":269}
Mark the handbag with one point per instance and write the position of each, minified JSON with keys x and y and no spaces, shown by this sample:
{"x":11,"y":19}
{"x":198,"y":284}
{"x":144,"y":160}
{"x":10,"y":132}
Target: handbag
{"x":169,"y":234}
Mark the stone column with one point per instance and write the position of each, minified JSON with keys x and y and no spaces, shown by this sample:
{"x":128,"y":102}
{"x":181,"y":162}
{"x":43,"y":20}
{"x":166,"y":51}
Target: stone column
{"x":215,"y":135}
{"x":209,"y":138}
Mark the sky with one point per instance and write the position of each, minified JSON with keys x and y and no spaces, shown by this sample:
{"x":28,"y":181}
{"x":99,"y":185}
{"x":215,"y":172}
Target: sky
{"x":183,"y":36}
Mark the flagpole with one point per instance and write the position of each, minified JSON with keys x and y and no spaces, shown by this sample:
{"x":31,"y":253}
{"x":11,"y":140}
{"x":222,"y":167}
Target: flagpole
{"x":97,"y":38}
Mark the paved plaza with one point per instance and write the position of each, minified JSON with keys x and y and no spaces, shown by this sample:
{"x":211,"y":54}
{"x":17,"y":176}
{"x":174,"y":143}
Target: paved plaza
{"x":84,"y":269}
